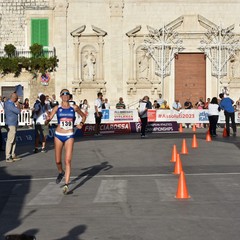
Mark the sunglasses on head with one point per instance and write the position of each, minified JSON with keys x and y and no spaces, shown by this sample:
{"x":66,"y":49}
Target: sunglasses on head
{"x":65,"y":93}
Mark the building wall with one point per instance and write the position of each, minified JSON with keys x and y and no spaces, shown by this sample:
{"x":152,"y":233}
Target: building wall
{"x":116,"y":71}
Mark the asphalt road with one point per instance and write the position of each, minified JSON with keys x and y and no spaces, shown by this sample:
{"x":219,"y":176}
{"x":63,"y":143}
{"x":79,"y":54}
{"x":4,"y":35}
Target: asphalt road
{"x":123,"y":188}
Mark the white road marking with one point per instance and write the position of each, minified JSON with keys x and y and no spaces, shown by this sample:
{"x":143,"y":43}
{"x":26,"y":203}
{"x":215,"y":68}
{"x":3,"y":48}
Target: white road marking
{"x":122,"y":176}
{"x":50,"y":195}
{"x":111,"y":191}
{"x":166,"y":189}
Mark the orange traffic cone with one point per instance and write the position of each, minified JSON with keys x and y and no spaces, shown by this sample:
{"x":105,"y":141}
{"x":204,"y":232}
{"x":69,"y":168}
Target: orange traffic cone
{"x":180,"y":129}
{"x":184,"y":147}
{"x":178,"y":165}
{"x":194,"y":141}
{"x":208,"y":137}
{"x":174,"y":154}
{"x":182,"y":191}
{"x":225,"y":132}
{"x":194,"y":128}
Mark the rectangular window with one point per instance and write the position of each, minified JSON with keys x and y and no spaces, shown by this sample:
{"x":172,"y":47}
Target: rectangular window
{"x":39,"y":31}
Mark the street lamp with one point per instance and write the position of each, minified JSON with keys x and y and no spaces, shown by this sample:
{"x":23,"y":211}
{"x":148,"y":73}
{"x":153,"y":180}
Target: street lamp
{"x":162,"y":45}
{"x":220,"y":45}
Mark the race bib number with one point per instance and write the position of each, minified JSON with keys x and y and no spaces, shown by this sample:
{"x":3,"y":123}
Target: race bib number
{"x":66,"y":123}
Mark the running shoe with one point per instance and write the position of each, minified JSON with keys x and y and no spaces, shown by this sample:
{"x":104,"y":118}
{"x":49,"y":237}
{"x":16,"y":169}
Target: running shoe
{"x":35,"y":150}
{"x":43,"y":150}
{"x":16,"y":158}
{"x":65,"y":189}
{"x":9,"y":160}
{"x":60,"y":177}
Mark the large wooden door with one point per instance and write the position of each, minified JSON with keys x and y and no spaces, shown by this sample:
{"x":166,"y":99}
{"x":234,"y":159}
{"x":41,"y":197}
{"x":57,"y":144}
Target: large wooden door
{"x":190,"y":77}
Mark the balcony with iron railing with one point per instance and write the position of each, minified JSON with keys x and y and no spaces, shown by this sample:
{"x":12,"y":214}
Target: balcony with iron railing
{"x":36,"y":59}
{"x":25,"y":52}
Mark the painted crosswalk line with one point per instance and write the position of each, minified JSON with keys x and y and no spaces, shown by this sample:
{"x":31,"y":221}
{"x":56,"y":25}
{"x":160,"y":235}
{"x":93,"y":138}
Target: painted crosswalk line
{"x":112,"y":191}
{"x":51,"y":194}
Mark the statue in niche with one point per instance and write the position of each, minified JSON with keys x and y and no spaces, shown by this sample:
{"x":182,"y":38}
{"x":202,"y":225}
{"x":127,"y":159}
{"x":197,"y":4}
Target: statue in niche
{"x":143,"y":66}
{"x":235,"y":67}
{"x":89,"y":65}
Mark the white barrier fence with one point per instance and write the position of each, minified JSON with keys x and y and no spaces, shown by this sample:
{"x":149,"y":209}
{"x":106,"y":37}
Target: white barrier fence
{"x":131,"y":115}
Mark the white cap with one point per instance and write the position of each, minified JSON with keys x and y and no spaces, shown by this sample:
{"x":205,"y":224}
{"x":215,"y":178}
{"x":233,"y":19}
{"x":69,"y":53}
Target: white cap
{"x":40,"y":94}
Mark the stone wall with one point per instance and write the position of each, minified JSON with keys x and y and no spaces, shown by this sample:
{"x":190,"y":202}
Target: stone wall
{"x":13,"y":21}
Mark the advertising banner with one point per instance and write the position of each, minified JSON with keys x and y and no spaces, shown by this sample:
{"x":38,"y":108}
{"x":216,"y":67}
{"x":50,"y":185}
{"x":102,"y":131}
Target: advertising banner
{"x":156,"y":127}
{"x":151,"y":115}
{"x":106,"y":128}
{"x":123,"y":115}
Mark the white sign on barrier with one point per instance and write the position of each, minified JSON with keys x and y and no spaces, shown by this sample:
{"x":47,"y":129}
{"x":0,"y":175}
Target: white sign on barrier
{"x":131,"y":115}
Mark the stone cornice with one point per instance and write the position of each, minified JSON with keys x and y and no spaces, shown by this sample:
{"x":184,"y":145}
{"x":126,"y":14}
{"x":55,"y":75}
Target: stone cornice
{"x":77,"y":32}
{"x":99,"y":31}
{"x":132,"y":32}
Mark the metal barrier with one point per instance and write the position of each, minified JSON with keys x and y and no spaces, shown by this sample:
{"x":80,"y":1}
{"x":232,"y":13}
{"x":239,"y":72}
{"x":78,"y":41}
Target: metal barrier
{"x":131,"y":115}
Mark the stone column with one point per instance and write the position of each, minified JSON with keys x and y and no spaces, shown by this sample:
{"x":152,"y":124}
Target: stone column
{"x":116,"y":53}
{"x":60,"y":37}
{"x":100,"y":66}
{"x":76,"y":60}
{"x":131,"y":52}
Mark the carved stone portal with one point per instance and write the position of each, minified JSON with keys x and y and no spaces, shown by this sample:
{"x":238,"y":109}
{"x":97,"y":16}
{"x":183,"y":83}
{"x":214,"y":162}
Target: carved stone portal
{"x":88,"y":54}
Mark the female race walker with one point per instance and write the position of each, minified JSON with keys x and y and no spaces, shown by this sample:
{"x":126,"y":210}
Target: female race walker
{"x":64,"y":135}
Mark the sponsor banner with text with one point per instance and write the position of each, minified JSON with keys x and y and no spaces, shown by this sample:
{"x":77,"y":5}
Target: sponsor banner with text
{"x":156,"y":127}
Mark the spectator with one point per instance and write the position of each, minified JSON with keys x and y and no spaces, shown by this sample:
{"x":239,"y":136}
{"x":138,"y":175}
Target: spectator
{"x":200,"y":103}
{"x":177,"y":105}
{"x":35,"y":105}
{"x":48,"y":100}
{"x":12,"y":110}
{"x":26,"y":104}
{"x":160,"y":100}
{"x":207,"y":103}
{"x":42,"y":110}
{"x":85,"y":106}
{"x":188,"y":105}
{"x":164,"y":105}
{"x":155,"y":104}
{"x":213,"y":113}
{"x":98,"y":113}
{"x":106,"y":104}
{"x":238,"y":104}
{"x":144,"y":105}
{"x":53,"y":101}
{"x":120,"y":104}
{"x":226,"y":104}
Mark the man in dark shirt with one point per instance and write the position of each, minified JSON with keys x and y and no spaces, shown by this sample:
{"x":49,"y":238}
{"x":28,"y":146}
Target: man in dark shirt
{"x":120,"y":104}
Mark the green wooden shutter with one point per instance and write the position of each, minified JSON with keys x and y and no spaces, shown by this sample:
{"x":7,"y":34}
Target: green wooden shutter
{"x":39,"y":31}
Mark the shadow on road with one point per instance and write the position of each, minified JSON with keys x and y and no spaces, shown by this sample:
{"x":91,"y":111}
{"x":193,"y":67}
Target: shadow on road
{"x":89,"y":173}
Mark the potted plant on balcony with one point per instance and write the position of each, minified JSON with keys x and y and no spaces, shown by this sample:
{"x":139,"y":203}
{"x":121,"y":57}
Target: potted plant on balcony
{"x":10,"y":50}
{"x":36,"y":50}
{"x":38,"y":63}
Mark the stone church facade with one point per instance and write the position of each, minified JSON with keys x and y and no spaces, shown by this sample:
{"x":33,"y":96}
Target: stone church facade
{"x":100,"y":47}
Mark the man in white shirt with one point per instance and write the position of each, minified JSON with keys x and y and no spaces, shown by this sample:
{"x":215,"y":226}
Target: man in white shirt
{"x":98,"y":113}
{"x":177,"y":105}
{"x":160,"y":100}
